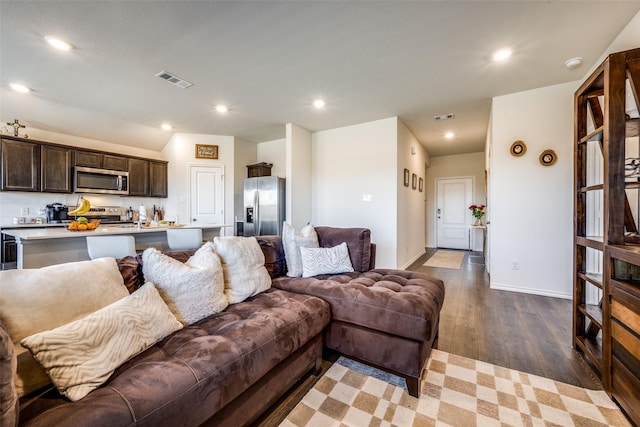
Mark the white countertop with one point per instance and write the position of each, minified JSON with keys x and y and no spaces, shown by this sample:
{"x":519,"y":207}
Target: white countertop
{"x":62,"y":232}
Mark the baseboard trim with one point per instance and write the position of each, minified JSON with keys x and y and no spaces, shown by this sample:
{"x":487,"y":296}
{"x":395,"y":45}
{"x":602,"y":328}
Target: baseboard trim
{"x":531,"y":291}
{"x":414,"y":259}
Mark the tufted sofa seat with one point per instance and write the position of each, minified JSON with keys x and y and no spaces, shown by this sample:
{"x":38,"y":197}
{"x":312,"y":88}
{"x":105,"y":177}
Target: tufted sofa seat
{"x":384,"y":317}
{"x":223,"y":370}
{"x":402,"y":303}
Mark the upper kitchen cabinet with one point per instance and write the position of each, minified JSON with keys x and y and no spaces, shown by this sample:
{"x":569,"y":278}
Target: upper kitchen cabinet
{"x":147,"y":178}
{"x":20,"y":165}
{"x":138,"y":177}
{"x":158,"y":179}
{"x":57,"y":163}
{"x":95,"y":159}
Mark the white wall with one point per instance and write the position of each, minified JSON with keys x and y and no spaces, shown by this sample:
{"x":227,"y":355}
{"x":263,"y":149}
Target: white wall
{"x":11,"y":202}
{"x":349,"y":162}
{"x":244,"y":154}
{"x":298,"y":184}
{"x":411,"y":224}
{"x":532,"y":205}
{"x":460,"y":165}
{"x":274,"y":152}
{"x":181,"y":150}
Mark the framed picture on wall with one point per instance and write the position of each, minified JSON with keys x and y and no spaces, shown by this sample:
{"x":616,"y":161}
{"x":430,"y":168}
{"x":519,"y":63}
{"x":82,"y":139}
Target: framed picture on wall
{"x":421,"y":185}
{"x":206,"y":151}
{"x":406,"y":177}
{"x":414,"y":181}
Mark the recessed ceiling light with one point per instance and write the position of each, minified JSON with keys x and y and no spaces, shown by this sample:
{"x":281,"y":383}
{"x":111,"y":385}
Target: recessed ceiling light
{"x":319,"y":103}
{"x":502,"y":54}
{"x":166,"y":126}
{"x":58,"y":43}
{"x":19,"y":88}
{"x":449,"y":135}
{"x":221,"y":108}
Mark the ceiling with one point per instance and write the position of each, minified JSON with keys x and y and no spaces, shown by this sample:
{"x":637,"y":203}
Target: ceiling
{"x":268,"y":60}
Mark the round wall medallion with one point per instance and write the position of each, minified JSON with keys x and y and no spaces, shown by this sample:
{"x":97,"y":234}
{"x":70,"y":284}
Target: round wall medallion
{"x":548,"y":157}
{"x":518,"y":148}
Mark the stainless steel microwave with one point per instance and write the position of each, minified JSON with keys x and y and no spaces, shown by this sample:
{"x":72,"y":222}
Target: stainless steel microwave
{"x":102,"y":181}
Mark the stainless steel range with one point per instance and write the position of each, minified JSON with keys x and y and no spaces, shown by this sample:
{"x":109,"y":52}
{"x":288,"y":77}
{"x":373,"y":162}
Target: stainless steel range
{"x":108,"y":214}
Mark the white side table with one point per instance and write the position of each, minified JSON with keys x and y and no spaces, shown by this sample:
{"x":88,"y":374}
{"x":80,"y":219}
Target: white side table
{"x":473,"y":228}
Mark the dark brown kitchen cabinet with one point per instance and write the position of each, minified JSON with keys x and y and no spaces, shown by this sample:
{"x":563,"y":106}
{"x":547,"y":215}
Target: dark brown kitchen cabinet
{"x":138,"y":177}
{"x":158,"y":179}
{"x":20,"y":165}
{"x":57,"y":163}
{"x":94,"y":159}
{"x":147,"y":178}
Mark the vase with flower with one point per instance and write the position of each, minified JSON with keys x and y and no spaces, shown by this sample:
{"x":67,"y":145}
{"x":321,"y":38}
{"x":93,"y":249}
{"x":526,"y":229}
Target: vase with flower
{"x":478,"y":212}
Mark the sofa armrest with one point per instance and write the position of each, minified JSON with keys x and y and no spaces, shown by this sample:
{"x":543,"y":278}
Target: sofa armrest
{"x":9,"y":404}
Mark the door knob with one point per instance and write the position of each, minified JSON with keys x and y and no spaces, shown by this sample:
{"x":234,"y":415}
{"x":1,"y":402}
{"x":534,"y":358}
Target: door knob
{"x":194,"y":219}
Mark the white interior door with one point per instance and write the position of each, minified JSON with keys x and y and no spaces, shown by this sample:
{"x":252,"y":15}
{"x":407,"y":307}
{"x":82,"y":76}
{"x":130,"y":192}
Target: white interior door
{"x":206,"y":194}
{"x":452,"y":212}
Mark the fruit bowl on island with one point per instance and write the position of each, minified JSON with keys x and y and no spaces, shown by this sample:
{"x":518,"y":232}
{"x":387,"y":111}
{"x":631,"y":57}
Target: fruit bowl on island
{"x":83,"y":224}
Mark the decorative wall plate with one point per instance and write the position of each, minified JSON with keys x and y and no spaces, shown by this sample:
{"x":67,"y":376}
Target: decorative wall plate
{"x":518,"y":148}
{"x":548,"y":157}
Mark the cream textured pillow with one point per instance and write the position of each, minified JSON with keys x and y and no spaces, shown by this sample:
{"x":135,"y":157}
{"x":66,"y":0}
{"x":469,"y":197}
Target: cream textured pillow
{"x":80,"y":356}
{"x":292,"y":242}
{"x":192,"y":290}
{"x":243,"y":263}
{"x":333,"y":260}
{"x":36,"y":300}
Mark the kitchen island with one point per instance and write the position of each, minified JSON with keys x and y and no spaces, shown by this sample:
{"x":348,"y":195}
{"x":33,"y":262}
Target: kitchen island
{"x":40,"y":247}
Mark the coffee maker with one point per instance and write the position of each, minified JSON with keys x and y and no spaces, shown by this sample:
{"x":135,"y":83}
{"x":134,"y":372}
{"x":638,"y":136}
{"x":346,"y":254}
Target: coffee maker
{"x":56,"y":213}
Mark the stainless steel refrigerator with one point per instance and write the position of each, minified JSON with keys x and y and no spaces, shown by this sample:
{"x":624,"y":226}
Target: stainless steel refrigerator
{"x":264,"y":205}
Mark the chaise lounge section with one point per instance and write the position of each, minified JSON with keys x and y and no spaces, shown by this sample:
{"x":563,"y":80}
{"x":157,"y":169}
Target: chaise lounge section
{"x":384,"y":317}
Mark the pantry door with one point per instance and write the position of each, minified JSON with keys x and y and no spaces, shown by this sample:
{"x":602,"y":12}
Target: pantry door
{"x":452,"y":212}
{"x":206,"y":194}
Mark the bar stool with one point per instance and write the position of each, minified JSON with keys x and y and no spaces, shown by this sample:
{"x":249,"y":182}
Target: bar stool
{"x":111,"y":246}
{"x":184,"y":238}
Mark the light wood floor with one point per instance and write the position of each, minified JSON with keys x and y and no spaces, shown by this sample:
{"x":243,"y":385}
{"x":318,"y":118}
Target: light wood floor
{"x":528,"y":333}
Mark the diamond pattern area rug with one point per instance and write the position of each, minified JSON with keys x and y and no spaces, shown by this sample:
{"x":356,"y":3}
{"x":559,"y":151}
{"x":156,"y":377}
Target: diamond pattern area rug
{"x":446,"y":259}
{"x":457,"y":391}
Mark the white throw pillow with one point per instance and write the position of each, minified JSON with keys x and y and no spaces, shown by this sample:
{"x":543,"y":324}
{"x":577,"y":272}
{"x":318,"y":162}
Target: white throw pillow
{"x":193,"y":290}
{"x":292,"y":242}
{"x":36,"y":300}
{"x":333,"y":260}
{"x":243,"y":263}
{"x":81,"y":355}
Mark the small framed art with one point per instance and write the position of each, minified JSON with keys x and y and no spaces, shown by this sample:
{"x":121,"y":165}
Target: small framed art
{"x":414,"y":181}
{"x":206,"y":151}
{"x":421,"y":184}
{"x":406,"y":177}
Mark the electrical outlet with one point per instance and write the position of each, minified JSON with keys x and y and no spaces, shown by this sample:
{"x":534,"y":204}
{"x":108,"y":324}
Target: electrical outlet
{"x":24,"y":211}
{"x":515,"y":264}
{"x":367,"y":197}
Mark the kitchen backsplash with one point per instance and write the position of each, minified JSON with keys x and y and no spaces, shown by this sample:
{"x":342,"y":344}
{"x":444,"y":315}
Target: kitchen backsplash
{"x":15,"y":204}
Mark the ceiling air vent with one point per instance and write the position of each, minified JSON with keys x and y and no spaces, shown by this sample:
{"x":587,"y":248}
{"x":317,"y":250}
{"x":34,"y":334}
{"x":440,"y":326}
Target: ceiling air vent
{"x":181,"y":83}
{"x":443,"y":117}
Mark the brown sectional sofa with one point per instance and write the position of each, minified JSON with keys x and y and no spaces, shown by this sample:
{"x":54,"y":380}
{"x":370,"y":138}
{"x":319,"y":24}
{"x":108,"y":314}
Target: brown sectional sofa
{"x":385,"y":318}
{"x":224,"y":370}
{"x":230,"y":367}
